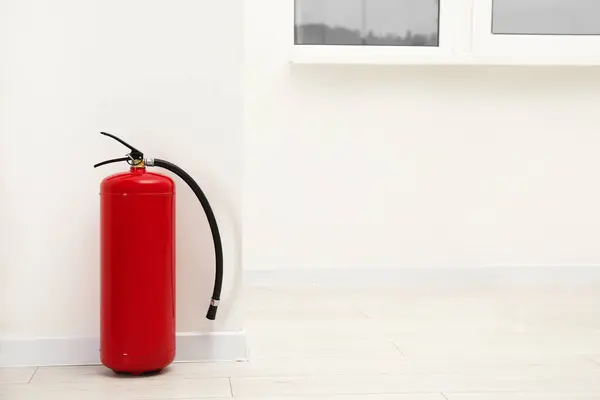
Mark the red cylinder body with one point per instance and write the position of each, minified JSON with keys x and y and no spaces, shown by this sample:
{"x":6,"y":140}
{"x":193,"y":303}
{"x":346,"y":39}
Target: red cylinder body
{"x":137,"y":223}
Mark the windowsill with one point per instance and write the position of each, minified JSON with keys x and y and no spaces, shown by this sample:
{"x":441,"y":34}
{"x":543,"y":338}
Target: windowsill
{"x":387,"y":55}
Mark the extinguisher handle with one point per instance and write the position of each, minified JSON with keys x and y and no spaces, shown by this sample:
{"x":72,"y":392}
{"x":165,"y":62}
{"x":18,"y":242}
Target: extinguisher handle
{"x":114,"y":160}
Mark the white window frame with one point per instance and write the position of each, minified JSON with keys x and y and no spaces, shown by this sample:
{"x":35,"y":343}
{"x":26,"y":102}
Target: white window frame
{"x":465,"y":38}
{"x":568,"y":47}
{"x":454,"y":39}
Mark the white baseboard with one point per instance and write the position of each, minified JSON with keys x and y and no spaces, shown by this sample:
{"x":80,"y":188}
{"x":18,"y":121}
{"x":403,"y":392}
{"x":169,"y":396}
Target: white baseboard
{"x":214,"y":346}
{"x":424,"y":278}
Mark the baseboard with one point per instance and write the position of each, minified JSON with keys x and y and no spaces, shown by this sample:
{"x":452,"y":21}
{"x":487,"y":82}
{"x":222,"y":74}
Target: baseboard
{"x":214,"y":346}
{"x":429,"y":277}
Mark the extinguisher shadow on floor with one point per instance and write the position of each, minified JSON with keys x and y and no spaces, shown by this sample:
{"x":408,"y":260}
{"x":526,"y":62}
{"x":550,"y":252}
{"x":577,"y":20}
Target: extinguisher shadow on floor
{"x":138,"y":274}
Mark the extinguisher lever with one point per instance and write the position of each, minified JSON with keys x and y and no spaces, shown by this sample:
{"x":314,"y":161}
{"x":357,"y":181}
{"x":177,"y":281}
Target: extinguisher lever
{"x":135,"y":157}
{"x":135,"y":153}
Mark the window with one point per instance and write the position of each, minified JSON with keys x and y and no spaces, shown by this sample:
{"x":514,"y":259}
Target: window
{"x":534,"y":32}
{"x":381,"y":30}
{"x":367,"y":22}
{"x":537,"y":28}
{"x":543,"y":17}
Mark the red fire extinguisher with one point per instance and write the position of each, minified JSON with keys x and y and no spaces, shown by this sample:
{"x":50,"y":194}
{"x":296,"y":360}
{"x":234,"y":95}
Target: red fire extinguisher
{"x":137,"y":244}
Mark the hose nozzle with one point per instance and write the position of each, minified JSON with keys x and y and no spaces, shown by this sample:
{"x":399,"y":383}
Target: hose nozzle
{"x":212,"y":309}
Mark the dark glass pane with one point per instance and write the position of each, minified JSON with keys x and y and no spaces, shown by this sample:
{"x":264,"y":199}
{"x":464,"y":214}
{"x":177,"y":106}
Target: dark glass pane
{"x":367,"y":22}
{"x":546,"y":17}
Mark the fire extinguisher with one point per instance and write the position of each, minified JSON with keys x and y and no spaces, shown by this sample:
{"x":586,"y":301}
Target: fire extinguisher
{"x":137,"y":245}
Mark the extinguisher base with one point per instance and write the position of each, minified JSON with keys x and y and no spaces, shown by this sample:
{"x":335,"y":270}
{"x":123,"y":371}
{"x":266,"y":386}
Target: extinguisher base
{"x":140,"y":365}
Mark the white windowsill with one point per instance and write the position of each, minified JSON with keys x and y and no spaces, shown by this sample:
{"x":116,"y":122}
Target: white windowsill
{"x":356,"y":55}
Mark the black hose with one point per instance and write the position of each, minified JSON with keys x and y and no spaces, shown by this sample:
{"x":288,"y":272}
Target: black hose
{"x":214,"y":229}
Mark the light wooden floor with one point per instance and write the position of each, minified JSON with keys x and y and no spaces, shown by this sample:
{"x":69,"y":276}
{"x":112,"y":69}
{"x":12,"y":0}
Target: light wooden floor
{"x":370,"y":345}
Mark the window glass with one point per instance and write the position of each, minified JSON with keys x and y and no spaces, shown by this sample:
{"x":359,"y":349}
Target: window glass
{"x":546,"y":17}
{"x":367,"y":22}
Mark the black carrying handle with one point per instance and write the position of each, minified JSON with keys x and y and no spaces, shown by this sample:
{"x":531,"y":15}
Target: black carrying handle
{"x":136,"y":157}
{"x":111,"y":161}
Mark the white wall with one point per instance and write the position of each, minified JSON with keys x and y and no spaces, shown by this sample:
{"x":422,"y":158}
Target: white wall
{"x":164,"y":75}
{"x":343,"y":167}
{"x":391,"y":167}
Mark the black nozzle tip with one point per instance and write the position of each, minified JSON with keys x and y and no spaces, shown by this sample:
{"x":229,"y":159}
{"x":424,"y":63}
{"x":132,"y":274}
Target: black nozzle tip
{"x":212,"y":312}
